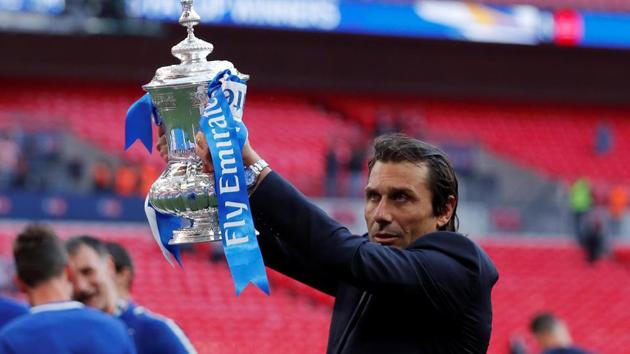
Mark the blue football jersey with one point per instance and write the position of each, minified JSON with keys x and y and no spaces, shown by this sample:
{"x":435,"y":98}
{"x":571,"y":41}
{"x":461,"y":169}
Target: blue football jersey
{"x":10,"y":309}
{"x":65,"y":328}
{"x":153,"y":333}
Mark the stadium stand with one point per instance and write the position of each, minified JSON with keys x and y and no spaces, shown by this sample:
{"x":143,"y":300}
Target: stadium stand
{"x":96,"y":114}
{"x":536,"y":275}
{"x":553,"y":139}
{"x":556,"y":140}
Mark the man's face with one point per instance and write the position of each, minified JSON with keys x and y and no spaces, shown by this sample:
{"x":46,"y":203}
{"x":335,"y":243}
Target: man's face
{"x":93,"y":284}
{"x":398,"y":204}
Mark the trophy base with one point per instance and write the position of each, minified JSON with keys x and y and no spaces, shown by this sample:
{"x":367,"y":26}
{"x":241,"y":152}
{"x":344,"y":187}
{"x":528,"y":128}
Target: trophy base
{"x":185,"y":236}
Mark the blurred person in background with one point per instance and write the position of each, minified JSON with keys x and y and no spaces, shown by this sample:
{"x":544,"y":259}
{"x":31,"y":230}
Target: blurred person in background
{"x":127,"y":180}
{"x":124,"y":271}
{"x":517,"y":345}
{"x":96,"y":286}
{"x":148,"y":174}
{"x":412,"y":283}
{"x":56,"y":324}
{"x":617,"y":205}
{"x":102,"y":175}
{"x":553,"y":335}
{"x":9,"y":161}
{"x":386,"y":122}
{"x":594,"y":238}
{"x":94,"y":273}
{"x":152,"y":333}
{"x":603,"y":138}
{"x":581,"y":200}
{"x":10,"y":309}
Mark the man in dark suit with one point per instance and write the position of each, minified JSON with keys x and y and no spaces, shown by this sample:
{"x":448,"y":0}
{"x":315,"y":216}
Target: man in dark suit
{"x":411,"y":284}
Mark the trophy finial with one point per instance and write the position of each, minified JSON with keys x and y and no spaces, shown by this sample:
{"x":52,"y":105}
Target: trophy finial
{"x":189,"y":17}
{"x":192,"y":49}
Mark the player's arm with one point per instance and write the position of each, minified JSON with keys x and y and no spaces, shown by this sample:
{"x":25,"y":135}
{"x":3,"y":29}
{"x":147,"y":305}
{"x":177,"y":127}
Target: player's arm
{"x":286,"y":259}
{"x":282,"y":210}
{"x":277,"y":254}
{"x":170,"y":338}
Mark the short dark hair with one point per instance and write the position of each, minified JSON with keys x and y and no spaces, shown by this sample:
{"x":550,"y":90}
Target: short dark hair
{"x":121,"y":257}
{"x":442,"y":179}
{"x":39,"y":255}
{"x":122,"y":260}
{"x":74,"y":243}
{"x":544,"y":322}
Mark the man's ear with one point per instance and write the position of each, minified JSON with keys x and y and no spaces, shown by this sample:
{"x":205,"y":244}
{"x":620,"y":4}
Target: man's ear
{"x":451,"y":203}
{"x":69,"y":270}
{"x":111,"y":267}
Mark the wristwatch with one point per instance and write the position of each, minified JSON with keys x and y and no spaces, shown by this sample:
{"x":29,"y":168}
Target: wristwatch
{"x":253,"y":171}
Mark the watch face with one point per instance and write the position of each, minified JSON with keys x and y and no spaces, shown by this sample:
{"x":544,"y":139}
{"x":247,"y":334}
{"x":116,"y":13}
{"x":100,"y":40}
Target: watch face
{"x":250,"y":178}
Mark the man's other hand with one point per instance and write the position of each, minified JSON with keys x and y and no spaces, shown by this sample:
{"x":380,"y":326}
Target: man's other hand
{"x":162,"y":145}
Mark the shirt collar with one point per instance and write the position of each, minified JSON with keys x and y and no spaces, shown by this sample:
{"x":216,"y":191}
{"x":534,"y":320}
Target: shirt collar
{"x":57,"y":306}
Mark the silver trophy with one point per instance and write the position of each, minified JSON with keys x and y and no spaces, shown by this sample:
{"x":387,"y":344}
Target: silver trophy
{"x":179,"y":93}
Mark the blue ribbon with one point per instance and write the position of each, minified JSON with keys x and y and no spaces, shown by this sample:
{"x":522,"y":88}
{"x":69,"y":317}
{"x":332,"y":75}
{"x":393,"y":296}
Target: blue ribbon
{"x":162,"y":226}
{"x":138,"y":122}
{"x":221,"y":123}
{"x":166,"y":225}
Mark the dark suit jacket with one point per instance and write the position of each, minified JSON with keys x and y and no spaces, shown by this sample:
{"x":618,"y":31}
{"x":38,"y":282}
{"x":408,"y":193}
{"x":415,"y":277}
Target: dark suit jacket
{"x":433,"y":297}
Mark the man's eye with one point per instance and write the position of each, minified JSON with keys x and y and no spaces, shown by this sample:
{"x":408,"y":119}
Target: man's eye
{"x":371,"y":196}
{"x":400,"y":197}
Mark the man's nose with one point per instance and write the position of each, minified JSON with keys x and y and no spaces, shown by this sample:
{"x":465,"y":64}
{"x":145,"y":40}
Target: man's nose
{"x":81,"y":284}
{"x":382,"y":214}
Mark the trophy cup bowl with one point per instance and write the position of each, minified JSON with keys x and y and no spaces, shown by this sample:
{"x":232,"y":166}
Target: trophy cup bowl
{"x":179,"y":93}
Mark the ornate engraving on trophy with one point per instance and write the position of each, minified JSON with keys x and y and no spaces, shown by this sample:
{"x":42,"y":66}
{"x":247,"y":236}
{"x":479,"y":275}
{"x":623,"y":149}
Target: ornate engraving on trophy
{"x":165,"y":101}
{"x":199,"y":98}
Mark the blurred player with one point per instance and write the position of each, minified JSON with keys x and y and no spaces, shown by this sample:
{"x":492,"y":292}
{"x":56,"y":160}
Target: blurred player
{"x":56,"y":324}
{"x":10,"y":309}
{"x":96,"y":285}
{"x":553,"y":335}
{"x":94,"y":273}
{"x":145,"y":325}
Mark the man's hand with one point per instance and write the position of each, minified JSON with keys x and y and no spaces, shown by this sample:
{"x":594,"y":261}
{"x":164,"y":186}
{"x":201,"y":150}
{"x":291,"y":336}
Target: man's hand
{"x":162,"y":145}
{"x":249,"y":155}
{"x":203,"y":152}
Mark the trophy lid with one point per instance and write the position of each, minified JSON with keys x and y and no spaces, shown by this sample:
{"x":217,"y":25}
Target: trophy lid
{"x":192,"y":52}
